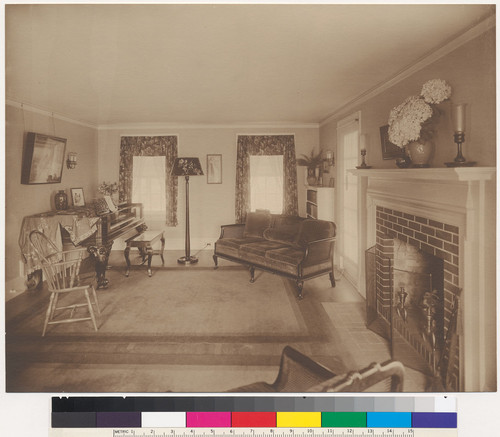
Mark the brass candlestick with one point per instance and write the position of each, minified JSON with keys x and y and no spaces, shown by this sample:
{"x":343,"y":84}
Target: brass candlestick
{"x":363,"y":163}
{"x":459,"y":161}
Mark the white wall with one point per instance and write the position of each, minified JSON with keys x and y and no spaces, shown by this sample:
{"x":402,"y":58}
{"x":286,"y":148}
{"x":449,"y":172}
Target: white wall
{"x":23,"y":200}
{"x":211,"y":205}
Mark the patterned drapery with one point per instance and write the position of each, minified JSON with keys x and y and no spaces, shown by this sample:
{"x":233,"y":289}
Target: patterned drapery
{"x":265,"y":145}
{"x":150,"y":146}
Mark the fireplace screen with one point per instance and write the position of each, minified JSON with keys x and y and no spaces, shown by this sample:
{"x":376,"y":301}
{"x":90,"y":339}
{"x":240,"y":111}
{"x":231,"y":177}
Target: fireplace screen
{"x":404,"y":303}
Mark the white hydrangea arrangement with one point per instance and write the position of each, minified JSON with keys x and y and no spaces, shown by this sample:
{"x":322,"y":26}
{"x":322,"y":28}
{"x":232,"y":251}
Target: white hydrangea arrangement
{"x":414,"y":118}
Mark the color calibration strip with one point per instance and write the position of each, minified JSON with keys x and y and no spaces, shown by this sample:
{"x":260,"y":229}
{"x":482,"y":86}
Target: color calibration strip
{"x":255,"y":412}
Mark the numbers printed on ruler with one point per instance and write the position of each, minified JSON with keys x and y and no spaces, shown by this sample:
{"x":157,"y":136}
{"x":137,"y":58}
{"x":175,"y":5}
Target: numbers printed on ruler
{"x":264,"y":432}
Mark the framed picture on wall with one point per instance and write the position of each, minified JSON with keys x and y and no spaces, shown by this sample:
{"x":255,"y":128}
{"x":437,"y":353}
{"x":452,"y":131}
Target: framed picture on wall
{"x":214,"y":169}
{"x":389,"y":150}
{"x":77,"y":197}
{"x":43,"y":158}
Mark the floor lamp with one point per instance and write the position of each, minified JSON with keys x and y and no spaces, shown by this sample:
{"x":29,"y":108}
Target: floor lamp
{"x":187,"y":167}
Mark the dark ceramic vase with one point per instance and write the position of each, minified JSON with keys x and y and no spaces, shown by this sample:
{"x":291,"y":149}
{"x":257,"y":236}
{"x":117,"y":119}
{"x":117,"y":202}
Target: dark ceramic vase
{"x":61,"y":200}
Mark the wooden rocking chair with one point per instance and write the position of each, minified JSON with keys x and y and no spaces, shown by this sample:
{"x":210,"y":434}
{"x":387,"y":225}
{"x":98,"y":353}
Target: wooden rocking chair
{"x":61,"y":269}
{"x":299,"y":373}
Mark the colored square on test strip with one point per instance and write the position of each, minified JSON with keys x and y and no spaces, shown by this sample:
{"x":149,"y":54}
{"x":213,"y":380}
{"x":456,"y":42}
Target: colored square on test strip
{"x":388,"y":420}
{"x":265,"y":419}
{"x":434,"y":420}
{"x":164,"y":419}
{"x":207,"y":419}
{"x":285,"y":419}
{"x":116,"y":419}
{"x":343,"y":420}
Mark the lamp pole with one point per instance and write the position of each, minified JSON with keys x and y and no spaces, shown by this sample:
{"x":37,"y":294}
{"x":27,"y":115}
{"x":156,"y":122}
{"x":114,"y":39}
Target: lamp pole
{"x":188,"y":259}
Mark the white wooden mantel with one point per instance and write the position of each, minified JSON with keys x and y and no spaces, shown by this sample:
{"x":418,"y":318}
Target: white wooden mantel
{"x":464,"y":197}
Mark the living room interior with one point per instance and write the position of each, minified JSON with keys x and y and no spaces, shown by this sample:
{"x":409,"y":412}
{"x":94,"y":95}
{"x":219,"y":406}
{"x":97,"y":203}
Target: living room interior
{"x":218,"y":87}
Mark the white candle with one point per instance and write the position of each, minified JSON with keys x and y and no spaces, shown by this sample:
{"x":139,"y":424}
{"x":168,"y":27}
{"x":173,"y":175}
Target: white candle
{"x":459,"y":119}
{"x":363,"y":142}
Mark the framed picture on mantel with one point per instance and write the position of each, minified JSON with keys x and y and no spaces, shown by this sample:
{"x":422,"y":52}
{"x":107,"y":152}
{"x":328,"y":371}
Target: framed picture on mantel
{"x":389,"y":150}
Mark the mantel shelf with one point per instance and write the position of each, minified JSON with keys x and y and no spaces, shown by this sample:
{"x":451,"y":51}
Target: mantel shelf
{"x":461,"y":174}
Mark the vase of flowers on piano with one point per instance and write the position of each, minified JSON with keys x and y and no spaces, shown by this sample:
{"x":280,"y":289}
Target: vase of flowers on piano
{"x":109,"y":189}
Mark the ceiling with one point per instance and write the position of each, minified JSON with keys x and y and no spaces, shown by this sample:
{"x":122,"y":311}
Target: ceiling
{"x":197,"y":64}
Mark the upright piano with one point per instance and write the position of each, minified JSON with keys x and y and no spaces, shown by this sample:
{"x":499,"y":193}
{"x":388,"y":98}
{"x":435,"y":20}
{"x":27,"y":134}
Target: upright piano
{"x":87,"y":226}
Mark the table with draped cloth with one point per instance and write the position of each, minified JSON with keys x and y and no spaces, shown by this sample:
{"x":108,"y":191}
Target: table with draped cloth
{"x":80,"y":223}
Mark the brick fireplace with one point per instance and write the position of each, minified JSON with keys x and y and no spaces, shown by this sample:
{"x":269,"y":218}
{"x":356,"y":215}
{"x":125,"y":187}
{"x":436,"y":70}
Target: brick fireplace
{"x":417,"y":262}
{"x":447,"y":217}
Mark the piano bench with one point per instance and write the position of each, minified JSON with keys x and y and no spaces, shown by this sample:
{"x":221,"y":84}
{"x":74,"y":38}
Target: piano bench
{"x":144,"y":242}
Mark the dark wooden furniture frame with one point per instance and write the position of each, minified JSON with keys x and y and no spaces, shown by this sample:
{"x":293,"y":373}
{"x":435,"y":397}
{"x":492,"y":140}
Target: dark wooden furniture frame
{"x":310,"y":258}
{"x":125,"y":222}
{"x":144,"y":242}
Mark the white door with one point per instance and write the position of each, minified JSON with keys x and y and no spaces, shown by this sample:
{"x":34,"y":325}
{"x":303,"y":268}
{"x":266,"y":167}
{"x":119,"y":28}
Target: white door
{"x":348,"y":151}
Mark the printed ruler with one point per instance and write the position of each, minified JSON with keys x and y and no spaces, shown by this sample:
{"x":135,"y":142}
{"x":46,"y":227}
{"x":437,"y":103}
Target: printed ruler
{"x":254,"y":432}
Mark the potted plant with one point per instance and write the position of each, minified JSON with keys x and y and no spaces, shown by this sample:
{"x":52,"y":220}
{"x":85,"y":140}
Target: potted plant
{"x":312,"y":162}
{"x":108,"y":189}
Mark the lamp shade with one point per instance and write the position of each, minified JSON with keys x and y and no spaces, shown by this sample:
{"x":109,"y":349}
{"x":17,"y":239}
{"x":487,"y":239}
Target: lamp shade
{"x":187,"y":167}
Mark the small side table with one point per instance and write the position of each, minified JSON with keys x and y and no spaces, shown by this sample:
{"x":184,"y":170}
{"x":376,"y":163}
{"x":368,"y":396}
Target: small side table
{"x":144,"y":242}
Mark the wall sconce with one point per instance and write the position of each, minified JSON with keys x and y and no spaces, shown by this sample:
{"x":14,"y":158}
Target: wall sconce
{"x":329,"y":158}
{"x":71,"y":161}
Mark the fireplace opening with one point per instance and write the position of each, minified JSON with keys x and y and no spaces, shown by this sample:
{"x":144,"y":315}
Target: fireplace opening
{"x":405,"y":302}
{"x":417,"y":307}
{"x":412,"y":293}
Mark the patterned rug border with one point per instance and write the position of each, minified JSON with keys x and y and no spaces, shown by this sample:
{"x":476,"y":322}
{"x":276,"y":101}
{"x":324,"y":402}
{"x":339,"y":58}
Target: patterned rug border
{"x":308,"y":312}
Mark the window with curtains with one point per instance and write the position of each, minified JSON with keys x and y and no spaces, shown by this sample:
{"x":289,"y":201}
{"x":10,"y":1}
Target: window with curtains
{"x":148,"y":185}
{"x":146,"y":176}
{"x":266,"y":183}
{"x":266,"y":175}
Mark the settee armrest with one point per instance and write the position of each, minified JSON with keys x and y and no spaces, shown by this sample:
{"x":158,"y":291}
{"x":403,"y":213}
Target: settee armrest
{"x":232,"y":231}
{"x":318,"y":251}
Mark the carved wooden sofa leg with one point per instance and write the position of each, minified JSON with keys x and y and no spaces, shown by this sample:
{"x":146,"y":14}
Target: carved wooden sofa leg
{"x":215,"y":261}
{"x":300,"y":286}
{"x":332,"y":279}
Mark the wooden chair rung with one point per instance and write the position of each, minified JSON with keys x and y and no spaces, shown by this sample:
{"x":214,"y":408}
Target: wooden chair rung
{"x":61,"y":269}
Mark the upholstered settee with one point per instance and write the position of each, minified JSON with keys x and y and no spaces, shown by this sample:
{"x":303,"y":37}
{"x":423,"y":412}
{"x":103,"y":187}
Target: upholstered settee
{"x":291,"y":246}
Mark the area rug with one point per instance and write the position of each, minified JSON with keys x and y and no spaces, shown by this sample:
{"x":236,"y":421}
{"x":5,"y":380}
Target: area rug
{"x":179,"y":303}
{"x":179,"y":323}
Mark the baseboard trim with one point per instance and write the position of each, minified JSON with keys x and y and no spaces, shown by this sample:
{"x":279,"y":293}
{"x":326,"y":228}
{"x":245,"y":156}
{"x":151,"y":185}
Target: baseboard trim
{"x":14,"y":287}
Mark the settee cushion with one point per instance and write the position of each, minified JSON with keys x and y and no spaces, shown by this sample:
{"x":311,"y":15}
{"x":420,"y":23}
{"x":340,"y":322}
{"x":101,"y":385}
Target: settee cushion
{"x":284,"y":228}
{"x":311,"y":230}
{"x":285,"y":234}
{"x":287,"y":255}
{"x":231,"y":246}
{"x":256,"y":223}
{"x":287,"y":221}
{"x":256,"y":252}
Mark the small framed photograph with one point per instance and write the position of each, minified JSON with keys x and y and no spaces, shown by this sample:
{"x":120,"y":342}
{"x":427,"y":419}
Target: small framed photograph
{"x":77,"y":197}
{"x":214,"y":169}
{"x":389,"y":150}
